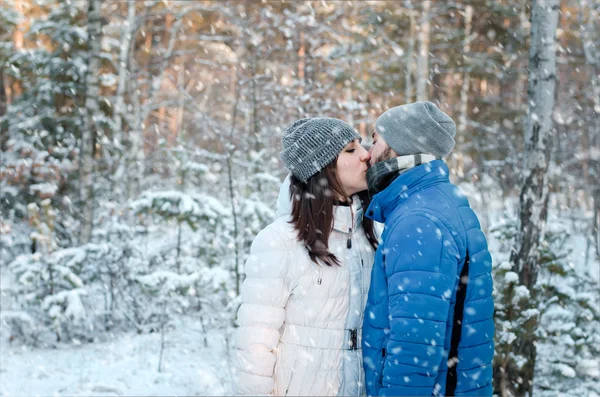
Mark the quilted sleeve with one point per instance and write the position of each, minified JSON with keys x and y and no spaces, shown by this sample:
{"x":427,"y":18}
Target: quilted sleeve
{"x":264,"y":294}
{"x":421,"y":266}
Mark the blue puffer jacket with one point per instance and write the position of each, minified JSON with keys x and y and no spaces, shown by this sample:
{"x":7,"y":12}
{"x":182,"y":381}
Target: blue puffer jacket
{"x":408,"y":333}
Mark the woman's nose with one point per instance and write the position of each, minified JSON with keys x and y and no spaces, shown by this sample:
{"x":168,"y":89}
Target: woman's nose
{"x":365,"y":156}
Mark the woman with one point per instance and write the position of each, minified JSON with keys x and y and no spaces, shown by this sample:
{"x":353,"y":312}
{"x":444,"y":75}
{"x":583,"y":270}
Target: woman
{"x":308,"y":272}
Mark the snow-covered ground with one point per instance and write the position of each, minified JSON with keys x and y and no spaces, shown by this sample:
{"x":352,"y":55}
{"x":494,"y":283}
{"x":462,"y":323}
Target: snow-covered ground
{"x":128,"y":365}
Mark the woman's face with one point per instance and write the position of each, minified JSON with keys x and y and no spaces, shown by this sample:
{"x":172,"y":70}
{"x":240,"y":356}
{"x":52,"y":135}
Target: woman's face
{"x":352,"y":165}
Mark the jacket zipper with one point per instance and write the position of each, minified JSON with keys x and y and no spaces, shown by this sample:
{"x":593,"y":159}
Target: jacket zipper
{"x":291,"y":379}
{"x":319,"y":278}
{"x":361,"y":317}
{"x":360,"y":283}
{"x":349,"y":243}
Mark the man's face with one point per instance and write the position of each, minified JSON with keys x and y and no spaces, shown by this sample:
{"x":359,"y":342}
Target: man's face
{"x":380,"y":151}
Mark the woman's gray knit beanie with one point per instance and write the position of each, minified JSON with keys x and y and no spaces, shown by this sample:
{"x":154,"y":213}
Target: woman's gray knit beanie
{"x":312,"y":143}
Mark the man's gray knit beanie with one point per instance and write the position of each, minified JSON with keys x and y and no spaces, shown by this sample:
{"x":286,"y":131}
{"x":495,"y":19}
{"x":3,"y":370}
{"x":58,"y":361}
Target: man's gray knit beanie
{"x":417,"y":128}
{"x":312,"y":143}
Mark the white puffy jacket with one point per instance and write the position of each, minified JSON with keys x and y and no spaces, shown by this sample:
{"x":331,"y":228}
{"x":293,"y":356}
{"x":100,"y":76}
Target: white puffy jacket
{"x":300,"y":323}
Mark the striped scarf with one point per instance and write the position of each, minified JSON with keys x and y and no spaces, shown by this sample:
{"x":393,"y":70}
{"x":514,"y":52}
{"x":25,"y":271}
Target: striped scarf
{"x":383,"y":173}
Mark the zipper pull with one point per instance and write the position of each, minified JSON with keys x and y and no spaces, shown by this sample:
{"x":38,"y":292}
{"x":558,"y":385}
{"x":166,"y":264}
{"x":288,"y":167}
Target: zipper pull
{"x":349,"y":244}
{"x":362,"y":263}
{"x":353,"y":339}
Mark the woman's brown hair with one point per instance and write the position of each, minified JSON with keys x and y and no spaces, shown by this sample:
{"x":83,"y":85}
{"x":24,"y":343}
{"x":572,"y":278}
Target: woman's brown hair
{"x":313,"y":209}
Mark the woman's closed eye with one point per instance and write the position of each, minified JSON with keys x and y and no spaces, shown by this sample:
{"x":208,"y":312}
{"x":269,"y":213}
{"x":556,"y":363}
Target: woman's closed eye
{"x":350,"y":150}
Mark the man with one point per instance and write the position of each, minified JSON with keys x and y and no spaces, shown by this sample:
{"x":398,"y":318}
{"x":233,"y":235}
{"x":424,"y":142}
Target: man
{"x":428,"y":327}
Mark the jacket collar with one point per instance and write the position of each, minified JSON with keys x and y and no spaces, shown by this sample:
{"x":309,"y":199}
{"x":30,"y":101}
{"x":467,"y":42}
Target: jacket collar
{"x":382,"y":174}
{"x":405,"y":185}
{"x":346,"y":217}
{"x":284,"y":202}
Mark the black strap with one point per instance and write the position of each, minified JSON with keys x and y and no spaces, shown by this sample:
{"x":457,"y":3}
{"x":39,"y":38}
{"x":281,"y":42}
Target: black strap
{"x":459,"y":307}
{"x":418,"y":159}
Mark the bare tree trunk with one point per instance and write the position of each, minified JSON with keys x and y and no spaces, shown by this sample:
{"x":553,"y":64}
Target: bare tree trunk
{"x":178,"y":131}
{"x":119,"y":109}
{"x":301,"y":68}
{"x":521,"y":77}
{"x":596,"y":228}
{"x":89,"y":131}
{"x":203,"y":331}
{"x":464,"y":94}
{"x":3,"y":108}
{"x":255,"y":127}
{"x":349,"y":99}
{"x":124,"y":73}
{"x":3,"y":101}
{"x":134,"y":157}
{"x":534,"y":192}
{"x":408,"y":75}
{"x":238,"y":277}
{"x":14,"y":90}
{"x":592,"y":58}
{"x":423,"y":56}
{"x":163,"y":323}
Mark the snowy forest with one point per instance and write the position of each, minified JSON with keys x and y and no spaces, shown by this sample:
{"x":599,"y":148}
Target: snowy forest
{"x":140,"y":149}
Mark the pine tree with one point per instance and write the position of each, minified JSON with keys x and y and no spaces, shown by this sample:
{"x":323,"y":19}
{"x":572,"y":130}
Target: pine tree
{"x":43,"y":124}
{"x":8,"y":21}
{"x":560,"y":312}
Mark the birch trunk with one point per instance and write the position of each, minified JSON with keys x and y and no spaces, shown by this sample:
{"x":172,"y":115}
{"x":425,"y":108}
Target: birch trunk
{"x":119,"y":109}
{"x":592,"y":58}
{"x":124,"y":73}
{"x":534,"y":191}
{"x":134,"y":158}
{"x":464,"y":94}
{"x":423,"y":56}
{"x":89,"y":131}
{"x":541,"y":90}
